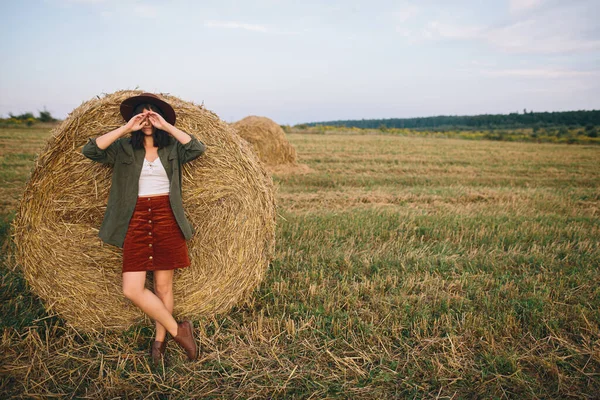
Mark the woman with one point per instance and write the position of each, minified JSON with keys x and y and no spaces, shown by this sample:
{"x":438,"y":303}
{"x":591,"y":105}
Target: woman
{"x":144,"y":214}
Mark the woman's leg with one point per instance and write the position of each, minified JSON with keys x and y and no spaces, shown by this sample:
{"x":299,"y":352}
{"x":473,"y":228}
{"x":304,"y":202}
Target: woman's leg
{"x":134,"y":289}
{"x":163,"y":288}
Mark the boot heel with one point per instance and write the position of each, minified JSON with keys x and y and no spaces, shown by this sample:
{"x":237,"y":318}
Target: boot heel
{"x":157,"y":351}
{"x":185,"y":339}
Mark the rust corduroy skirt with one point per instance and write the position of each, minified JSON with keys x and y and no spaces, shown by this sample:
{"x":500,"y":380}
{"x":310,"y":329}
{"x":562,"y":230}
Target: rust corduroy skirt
{"x":154,"y":240}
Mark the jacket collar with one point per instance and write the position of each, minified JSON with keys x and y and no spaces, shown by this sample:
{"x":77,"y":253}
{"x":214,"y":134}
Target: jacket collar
{"x":165,"y":154}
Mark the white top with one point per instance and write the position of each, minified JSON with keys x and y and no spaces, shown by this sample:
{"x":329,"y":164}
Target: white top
{"x":153,"y":179}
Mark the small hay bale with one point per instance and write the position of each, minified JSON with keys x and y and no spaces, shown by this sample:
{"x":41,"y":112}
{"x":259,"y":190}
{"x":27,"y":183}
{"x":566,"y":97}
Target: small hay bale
{"x":227,"y":196}
{"x":268,"y":140}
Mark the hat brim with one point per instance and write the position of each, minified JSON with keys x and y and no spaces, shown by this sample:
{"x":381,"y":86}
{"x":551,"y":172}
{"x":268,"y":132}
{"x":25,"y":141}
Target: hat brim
{"x":128,"y":105}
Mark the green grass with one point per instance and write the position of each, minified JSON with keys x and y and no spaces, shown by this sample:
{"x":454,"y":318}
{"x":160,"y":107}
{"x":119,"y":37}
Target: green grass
{"x":572,"y":135}
{"x":405,"y":267}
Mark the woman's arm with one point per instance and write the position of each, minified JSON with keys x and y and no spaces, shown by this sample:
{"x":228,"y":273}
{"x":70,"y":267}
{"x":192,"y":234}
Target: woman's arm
{"x":95,"y":153}
{"x":134,"y":124}
{"x":191,"y":150}
{"x":159,"y":123}
{"x":178,"y":134}
{"x":102,"y":149}
{"x":188,"y":148}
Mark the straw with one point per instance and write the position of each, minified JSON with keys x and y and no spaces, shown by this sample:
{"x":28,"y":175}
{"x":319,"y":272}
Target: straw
{"x":268,"y":140}
{"x":227,"y":196}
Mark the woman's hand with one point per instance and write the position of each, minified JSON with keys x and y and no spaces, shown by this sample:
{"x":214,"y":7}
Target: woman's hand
{"x":158,"y":121}
{"x":136,"y":122}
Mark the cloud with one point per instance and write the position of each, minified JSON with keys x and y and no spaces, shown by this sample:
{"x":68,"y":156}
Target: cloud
{"x":554,"y":28}
{"x":542,"y":73}
{"x":549,"y":34}
{"x":87,"y":1}
{"x":235,"y":25}
{"x":406,"y":13}
{"x":81,"y":2}
{"x":520,"y":6}
{"x":110,"y":8}
{"x":146,"y":11}
{"x":436,"y":29}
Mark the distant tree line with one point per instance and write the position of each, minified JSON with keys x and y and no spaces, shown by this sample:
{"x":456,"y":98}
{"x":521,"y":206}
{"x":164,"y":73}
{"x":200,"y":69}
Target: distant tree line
{"x":27,"y":118}
{"x":485,"y":121}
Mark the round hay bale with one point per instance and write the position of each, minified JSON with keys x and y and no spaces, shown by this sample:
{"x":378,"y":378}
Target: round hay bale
{"x":227,"y":196}
{"x":268,"y":140}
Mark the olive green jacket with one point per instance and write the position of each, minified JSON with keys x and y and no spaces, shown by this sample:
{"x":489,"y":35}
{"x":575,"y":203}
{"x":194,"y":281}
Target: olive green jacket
{"x":127,"y":165}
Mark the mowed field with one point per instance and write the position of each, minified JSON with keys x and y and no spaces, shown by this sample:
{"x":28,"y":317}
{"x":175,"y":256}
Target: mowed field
{"x":405,"y":267}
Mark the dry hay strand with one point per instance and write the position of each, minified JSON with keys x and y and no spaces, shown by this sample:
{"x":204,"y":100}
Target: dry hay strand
{"x":227,"y":196}
{"x":267,"y":139}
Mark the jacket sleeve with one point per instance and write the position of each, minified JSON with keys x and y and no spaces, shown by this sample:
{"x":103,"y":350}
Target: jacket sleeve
{"x":104,"y":156}
{"x":191,"y":150}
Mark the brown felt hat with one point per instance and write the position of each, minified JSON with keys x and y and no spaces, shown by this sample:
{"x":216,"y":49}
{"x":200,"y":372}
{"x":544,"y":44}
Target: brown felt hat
{"x":128,"y":105}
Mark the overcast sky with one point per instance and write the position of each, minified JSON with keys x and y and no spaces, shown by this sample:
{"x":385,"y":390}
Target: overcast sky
{"x":310,"y":60}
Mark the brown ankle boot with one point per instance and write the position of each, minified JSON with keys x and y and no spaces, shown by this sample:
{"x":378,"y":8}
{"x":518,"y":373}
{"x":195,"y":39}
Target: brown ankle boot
{"x":157,"y":351}
{"x":185,"y":339}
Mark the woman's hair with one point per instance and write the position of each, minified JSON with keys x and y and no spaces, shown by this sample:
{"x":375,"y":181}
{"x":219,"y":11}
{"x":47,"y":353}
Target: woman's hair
{"x":161,"y":138}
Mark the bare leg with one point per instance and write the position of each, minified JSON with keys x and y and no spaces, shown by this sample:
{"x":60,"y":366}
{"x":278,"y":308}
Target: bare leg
{"x":163,"y":288}
{"x":148,"y":302}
